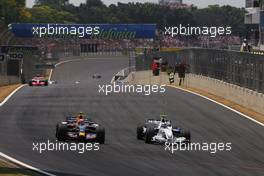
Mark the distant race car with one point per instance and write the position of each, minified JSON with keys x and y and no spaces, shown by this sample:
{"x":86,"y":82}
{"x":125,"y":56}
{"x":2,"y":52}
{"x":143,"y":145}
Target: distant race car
{"x":97,"y":76}
{"x":161,"y":131}
{"x":38,"y":81}
{"x":86,"y":131}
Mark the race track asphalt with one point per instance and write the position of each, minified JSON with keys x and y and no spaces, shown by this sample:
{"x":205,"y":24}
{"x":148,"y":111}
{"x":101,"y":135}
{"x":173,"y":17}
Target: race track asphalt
{"x":32,"y":113}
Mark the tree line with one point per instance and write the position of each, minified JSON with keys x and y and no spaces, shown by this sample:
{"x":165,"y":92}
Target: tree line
{"x":95,"y":11}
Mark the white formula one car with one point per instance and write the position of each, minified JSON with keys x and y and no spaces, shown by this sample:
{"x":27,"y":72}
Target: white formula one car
{"x":161,"y":131}
{"x":96,"y":76}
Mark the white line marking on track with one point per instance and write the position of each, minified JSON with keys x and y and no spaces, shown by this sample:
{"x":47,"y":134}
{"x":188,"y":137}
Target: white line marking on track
{"x":25,"y":165}
{"x":50,"y":74}
{"x":12,"y":159}
{"x":10,"y":95}
{"x":5,"y":100}
{"x":66,"y":61}
{"x":240,"y":113}
{"x":59,"y":63}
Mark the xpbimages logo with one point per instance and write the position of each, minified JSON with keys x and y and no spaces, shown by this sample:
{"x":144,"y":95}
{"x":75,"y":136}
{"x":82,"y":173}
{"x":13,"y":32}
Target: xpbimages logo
{"x":197,"y":30}
{"x":50,"y":146}
{"x":126,"y":88}
{"x":65,"y":30}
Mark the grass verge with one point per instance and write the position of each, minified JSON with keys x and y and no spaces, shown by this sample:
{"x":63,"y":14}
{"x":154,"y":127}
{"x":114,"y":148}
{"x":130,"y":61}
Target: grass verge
{"x":10,"y":169}
{"x":6,"y":90}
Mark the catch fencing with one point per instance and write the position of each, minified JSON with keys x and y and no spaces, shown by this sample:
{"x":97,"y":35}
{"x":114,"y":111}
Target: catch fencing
{"x":239,"y":68}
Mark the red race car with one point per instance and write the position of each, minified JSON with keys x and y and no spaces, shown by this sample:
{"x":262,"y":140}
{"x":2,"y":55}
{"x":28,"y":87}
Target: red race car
{"x":38,"y":81}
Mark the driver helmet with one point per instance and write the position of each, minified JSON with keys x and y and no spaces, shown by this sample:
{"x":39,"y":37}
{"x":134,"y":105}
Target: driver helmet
{"x":81,"y":115}
{"x":245,"y":41}
{"x":163,"y":119}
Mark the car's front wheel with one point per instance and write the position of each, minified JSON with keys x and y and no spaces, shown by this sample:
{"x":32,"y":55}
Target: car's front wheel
{"x":187,"y":135}
{"x":100,"y":135}
{"x":61,"y":132}
{"x":140,"y":132}
{"x":150,"y":133}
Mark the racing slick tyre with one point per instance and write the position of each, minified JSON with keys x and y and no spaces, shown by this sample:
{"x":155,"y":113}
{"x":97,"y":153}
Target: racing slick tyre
{"x":140,"y":134}
{"x":30,"y":83}
{"x":150,"y":133}
{"x":187,"y":135}
{"x":100,"y":135}
{"x":46,"y":83}
{"x":61,"y":132}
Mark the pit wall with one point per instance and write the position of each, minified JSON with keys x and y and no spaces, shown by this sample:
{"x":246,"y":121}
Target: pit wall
{"x":24,"y":69}
{"x":8,"y":80}
{"x":239,"y":95}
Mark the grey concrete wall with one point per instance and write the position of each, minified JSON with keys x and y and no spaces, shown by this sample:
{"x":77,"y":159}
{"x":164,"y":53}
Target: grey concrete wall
{"x":237,"y":94}
{"x":8,"y":80}
{"x":240,"y":95}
